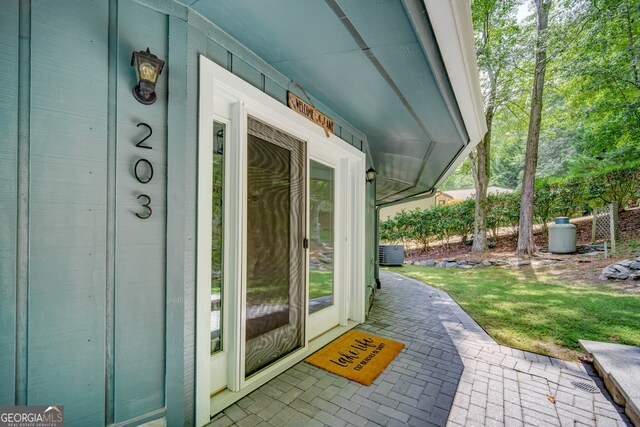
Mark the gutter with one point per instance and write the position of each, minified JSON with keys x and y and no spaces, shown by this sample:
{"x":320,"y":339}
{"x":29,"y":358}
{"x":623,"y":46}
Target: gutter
{"x":415,"y":197}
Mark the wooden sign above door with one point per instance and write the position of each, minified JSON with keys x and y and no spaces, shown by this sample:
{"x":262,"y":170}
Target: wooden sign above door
{"x":310,"y":112}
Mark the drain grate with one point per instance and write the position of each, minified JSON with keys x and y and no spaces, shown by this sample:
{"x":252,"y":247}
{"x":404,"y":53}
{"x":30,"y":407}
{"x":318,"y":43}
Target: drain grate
{"x":590,"y":388}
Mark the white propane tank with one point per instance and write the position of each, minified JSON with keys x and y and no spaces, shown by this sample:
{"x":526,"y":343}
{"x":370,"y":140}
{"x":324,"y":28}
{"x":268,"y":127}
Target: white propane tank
{"x":562,"y":236}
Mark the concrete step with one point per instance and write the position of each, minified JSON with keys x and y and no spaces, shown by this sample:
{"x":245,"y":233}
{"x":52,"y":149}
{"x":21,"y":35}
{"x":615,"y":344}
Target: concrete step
{"x":619,"y":367}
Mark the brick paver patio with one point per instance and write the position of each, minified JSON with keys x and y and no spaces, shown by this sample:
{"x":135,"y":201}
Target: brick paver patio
{"x":450,"y":373}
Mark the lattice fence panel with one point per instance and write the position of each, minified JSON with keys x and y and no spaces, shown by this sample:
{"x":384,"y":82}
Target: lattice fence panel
{"x":605,"y":224}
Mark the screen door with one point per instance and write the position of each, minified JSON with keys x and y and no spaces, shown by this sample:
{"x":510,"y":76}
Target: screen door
{"x":276,"y":211}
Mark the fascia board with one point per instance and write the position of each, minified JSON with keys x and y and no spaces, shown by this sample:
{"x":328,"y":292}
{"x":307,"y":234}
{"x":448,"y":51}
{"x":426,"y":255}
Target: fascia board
{"x":451,"y":23}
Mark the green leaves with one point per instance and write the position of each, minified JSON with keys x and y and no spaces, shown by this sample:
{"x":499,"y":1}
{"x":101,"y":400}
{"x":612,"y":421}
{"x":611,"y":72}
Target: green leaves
{"x":569,"y":196}
{"x":446,"y":221}
{"x":592,"y":91}
{"x":503,"y":210}
{"x":616,"y":184}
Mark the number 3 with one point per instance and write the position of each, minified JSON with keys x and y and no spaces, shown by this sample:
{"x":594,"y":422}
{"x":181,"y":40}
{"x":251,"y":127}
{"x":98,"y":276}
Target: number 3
{"x":146,"y":205}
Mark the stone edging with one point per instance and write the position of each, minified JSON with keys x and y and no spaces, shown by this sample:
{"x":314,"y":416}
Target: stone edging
{"x":622,"y":270}
{"x":465,"y":263}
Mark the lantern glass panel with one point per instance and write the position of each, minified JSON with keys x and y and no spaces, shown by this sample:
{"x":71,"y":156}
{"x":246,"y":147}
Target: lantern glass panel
{"x":148,"y":72}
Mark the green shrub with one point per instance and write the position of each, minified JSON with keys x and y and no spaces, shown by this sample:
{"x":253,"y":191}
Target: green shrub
{"x":617,"y":184}
{"x":464,"y":214}
{"x":503,"y":210}
{"x":555,"y":197}
{"x":566,"y":196}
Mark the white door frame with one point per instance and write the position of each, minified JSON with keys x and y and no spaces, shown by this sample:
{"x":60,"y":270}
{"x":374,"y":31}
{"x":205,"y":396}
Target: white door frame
{"x":230,"y":99}
{"x":334,"y":315}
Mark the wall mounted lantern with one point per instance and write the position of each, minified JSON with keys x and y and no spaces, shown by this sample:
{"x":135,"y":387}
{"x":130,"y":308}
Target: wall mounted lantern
{"x":371,"y":175}
{"x":148,"y":68}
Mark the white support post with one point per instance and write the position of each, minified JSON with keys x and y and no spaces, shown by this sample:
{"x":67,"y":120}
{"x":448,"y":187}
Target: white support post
{"x":612,"y":226}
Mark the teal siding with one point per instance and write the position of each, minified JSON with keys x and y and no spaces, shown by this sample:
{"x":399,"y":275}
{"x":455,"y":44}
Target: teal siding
{"x":66,"y":326}
{"x":216,"y":53}
{"x":247,"y":73}
{"x":110,"y":316}
{"x":9,"y":22}
{"x":276,"y":91}
{"x":178,"y":157}
{"x":140,"y":243}
{"x":197,"y":43}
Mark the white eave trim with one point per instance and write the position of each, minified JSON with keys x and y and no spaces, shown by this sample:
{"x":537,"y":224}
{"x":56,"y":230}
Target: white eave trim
{"x":459,"y":57}
{"x":452,"y":26}
{"x":451,"y":30}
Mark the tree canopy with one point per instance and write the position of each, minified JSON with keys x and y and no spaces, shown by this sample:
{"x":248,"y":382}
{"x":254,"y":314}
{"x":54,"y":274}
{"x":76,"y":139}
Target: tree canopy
{"x":591,"y":105}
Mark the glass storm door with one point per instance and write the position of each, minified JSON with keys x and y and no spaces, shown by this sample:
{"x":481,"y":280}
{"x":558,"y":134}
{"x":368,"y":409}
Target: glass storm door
{"x":321,"y":237}
{"x":218,"y":350}
{"x":216,"y":238}
{"x":324,"y":245}
{"x":276,"y":210}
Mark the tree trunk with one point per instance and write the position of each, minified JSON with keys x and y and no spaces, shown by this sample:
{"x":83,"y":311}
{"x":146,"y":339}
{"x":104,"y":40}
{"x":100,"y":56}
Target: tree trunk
{"x":315,"y":222}
{"x":480,"y":163}
{"x":632,"y":47}
{"x":526,"y":245}
{"x":481,"y":167}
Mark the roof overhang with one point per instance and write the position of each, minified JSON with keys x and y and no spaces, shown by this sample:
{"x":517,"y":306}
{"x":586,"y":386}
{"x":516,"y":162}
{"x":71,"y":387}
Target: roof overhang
{"x":403,"y":72}
{"x":459,"y":56}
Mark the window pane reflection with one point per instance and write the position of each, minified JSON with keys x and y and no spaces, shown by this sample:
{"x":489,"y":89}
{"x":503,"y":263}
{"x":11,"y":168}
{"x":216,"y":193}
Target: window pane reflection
{"x":216,"y":237}
{"x":321,"y":240}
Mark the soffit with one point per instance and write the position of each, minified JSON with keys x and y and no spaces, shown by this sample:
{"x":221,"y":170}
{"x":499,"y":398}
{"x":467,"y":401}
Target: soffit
{"x":389,"y":90}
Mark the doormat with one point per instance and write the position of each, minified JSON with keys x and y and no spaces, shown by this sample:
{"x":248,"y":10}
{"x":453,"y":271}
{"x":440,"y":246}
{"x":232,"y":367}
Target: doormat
{"x":357,"y":356}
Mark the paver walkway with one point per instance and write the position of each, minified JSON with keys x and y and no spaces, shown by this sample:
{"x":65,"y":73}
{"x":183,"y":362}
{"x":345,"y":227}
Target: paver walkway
{"x":450,"y":373}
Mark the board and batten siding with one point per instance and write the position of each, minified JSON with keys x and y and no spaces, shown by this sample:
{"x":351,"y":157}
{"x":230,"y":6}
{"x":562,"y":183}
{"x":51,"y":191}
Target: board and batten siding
{"x":67,"y":216}
{"x":97,"y":306}
{"x":9,"y":47}
{"x":90,"y":331}
{"x":140,"y":260}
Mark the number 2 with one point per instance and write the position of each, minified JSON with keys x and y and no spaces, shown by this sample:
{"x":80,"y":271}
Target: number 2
{"x":139,"y":144}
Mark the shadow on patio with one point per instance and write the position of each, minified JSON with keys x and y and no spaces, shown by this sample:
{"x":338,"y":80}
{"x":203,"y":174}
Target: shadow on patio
{"x":449,"y":373}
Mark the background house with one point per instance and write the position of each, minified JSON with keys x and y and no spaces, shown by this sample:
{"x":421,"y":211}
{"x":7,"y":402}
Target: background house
{"x":459,"y":195}
{"x":439,"y":198}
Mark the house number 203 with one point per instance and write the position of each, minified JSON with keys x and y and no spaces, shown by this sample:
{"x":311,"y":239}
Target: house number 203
{"x":143,"y":171}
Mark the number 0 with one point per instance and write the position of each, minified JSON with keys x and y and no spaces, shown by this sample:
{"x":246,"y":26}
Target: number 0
{"x":135,"y":170}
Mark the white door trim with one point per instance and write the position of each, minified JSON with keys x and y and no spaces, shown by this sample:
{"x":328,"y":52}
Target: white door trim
{"x":231,"y":98}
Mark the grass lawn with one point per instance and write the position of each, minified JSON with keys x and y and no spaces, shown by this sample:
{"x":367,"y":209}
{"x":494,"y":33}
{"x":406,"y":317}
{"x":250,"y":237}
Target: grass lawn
{"x":277,"y":292}
{"x":320,"y":283}
{"x":529,"y":310}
